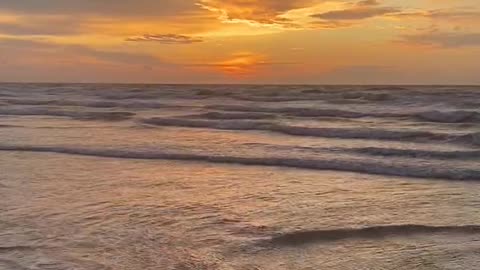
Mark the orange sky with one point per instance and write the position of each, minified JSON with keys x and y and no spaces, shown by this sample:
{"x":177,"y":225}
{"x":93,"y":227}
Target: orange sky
{"x":241,"y":41}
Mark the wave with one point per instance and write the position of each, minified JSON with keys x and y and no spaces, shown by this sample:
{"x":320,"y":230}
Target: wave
{"x":230,"y":116}
{"x":471,"y":138}
{"x":106,"y":116}
{"x":474,"y":138}
{"x":375,"y":232}
{"x":388,"y":88}
{"x":450,"y":116}
{"x":274,"y":98}
{"x":314,"y":94}
{"x":460,"y":116}
{"x":415,"y":153}
{"x":292,"y":111}
{"x":381,"y":151}
{"x":131,"y":95}
{"x":375,"y":96}
{"x":88,"y":103}
{"x":359,"y":166}
{"x":17,"y":248}
{"x":342,"y":133}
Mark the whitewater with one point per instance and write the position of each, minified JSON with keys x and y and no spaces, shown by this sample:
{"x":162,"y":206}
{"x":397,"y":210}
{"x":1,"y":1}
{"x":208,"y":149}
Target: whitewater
{"x":254,"y":177}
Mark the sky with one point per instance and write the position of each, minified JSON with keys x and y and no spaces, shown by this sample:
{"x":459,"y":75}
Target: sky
{"x":241,"y":41}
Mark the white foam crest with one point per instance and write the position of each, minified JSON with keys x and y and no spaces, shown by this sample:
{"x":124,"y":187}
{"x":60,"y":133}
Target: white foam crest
{"x":345,"y":133}
{"x":82,"y":115}
{"x":360,"y":166}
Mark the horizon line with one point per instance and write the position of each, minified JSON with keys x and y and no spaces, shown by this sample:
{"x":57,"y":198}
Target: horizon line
{"x":249,"y":84}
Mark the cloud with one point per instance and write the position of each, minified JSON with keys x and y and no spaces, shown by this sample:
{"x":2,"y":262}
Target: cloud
{"x":368,"y":3}
{"x":359,"y":11}
{"x":440,"y":14}
{"x":166,"y":39}
{"x":355,"y":13}
{"x":255,"y":11}
{"x":109,"y":20}
{"x":331,"y":24}
{"x":101,"y":7}
{"x":443,"y":39}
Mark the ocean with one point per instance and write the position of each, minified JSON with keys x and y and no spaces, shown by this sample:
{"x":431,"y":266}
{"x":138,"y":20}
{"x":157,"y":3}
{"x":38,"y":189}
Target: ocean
{"x":249,"y":177}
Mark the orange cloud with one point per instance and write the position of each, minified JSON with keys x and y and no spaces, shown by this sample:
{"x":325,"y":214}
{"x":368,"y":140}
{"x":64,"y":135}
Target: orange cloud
{"x":166,"y":38}
{"x":441,"y":14}
{"x":255,"y":12}
{"x":359,"y":11}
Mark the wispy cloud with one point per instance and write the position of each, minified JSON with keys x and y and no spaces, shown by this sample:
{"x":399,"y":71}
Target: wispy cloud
{"x":255,"y":11}
{"x":440,"y":14}
{"x":166,"y":39}
{"x":359,"y":11}
{"x":443,"y":39}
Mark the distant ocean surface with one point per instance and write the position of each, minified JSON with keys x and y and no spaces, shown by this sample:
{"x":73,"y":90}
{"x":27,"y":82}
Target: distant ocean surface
{"x":179,"y":177}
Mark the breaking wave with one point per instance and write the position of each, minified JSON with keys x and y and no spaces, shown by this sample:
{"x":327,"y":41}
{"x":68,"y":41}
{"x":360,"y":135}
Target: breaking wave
{"x":81,"y":115}
{"x":416,"y":153}
{"x":345,"y":133}
{"x":299,"y":112}
{"x":475,"y":138}
{"x":382,"y":151}
{"x":348,"y":165}
{"x":132,"y":104}
{"x":450,"y":117}
{"x":431,"y":116}
{"x":314,"y":94}
{"x":258,"y":112}
{"x":230,"y":116}
{"x":304,"y":237}
{"x":17,"y":248}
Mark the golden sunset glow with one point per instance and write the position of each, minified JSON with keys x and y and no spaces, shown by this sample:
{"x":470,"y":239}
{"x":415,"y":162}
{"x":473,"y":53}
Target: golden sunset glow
{"x":213,"y":41}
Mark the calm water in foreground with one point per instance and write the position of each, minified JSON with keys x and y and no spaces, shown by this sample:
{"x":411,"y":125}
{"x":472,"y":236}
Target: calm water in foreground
{"x":239,"y":177}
